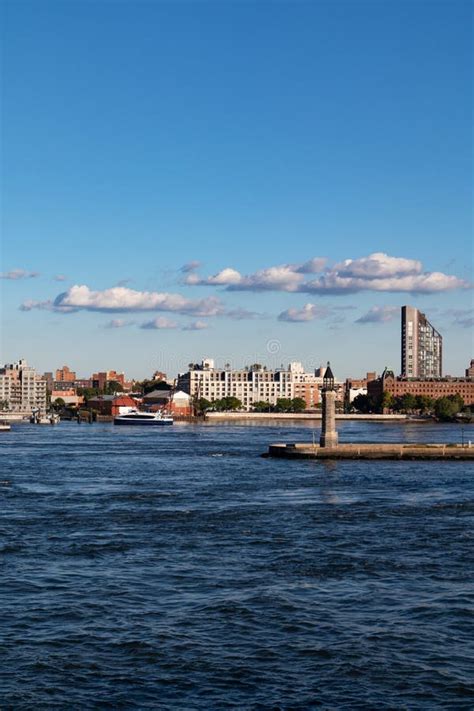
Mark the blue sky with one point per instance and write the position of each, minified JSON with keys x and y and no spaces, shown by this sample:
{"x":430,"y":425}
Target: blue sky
{"x":141,"y":137}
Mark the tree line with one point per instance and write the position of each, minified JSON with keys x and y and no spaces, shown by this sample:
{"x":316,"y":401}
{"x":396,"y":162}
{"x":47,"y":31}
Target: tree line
{"x":226,"y":404}
{"x":443,"y":408}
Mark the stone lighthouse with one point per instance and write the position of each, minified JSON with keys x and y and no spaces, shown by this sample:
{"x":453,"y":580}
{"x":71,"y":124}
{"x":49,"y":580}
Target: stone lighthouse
{"x":328,"y":438}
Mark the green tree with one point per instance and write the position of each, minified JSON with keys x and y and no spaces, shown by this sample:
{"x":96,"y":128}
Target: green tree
{"x":388,"y":401}
{"x":261,"y":406}
{"x":283,"y":404}
{"x":226,"y":404}
{"x":408,"y":402}
{"x":446,"y":408}
{"x":147,"y":386}
{"x":59,"y":403}
{"x":298,"y":404}
{"x":4,"y":405}
{"x":160,"y":385}
{"x":88,"y":393}
{"x":232,"y":403}
{"x":424,"y":404}
{"x":112,"y":387}
{"x":362,"y":403}
{"x":202,"y":405}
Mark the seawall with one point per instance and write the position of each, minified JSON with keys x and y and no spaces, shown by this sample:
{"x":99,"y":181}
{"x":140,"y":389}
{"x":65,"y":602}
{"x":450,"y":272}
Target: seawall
{"x":262,"y":416}
{"x":371,"y":451}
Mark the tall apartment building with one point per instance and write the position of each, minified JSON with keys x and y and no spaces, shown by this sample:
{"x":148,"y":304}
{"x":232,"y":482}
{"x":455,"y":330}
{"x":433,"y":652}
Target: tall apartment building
{"x":22,"y":388}
{"x":422,"y":346}
{"x":251,"y":384}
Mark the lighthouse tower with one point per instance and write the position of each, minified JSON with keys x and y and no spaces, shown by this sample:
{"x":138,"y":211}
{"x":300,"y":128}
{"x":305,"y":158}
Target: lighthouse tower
{"x":328,"y":438}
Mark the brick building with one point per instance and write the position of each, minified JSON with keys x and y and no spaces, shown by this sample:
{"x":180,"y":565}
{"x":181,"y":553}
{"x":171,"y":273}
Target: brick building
{"x":100,"y":380}
{"x":431,"y":387}
{"x":178,"y":403}
{"x":69,"y":396}
{"x":65,"y":375}
{"x":357,"y":386}
{"x":112,"y":405}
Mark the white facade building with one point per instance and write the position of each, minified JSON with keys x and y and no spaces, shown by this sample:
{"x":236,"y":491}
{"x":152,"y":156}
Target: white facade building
{"x":251,"y":384}
{"x":21,"y":388}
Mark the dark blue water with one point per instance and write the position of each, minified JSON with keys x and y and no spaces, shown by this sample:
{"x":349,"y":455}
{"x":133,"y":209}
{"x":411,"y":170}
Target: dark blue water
{"x":175,"y":569}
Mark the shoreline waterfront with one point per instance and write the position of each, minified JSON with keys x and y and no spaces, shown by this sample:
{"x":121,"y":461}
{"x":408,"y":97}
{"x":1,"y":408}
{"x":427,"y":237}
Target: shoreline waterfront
{"x":263,"y":416}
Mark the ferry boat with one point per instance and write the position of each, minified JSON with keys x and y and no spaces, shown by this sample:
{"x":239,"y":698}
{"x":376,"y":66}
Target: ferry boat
{"x":135,"y":417}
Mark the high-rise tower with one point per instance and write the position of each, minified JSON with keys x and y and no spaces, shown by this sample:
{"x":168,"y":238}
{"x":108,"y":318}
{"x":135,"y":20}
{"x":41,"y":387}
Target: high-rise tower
{"x":422,"y":346}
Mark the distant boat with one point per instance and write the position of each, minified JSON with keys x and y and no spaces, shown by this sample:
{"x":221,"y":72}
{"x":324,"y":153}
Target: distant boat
{"x":51,"y":418}
{"x":5,"y":427}
{"x":135,"y":417}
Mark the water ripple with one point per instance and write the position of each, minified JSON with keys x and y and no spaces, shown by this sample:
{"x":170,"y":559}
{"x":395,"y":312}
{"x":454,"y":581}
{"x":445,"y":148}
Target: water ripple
{"x":178,"y":570}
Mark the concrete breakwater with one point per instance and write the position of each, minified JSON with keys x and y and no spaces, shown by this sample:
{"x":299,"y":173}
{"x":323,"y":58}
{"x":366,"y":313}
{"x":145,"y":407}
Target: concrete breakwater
{"x":371,"y":451}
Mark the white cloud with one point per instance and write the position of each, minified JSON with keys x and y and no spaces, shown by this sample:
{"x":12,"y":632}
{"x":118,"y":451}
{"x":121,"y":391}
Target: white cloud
{"x":285,"y":277}
{"x":196,"y":326}
{"x":59,"y":277}
{"x":377,"y":272}
{"x":377,"y":265}
{"x":16,"y":274}
{"x":379,"y":314}
{"x":190,"y":266}
{"x":312,"y":266}
{"x":240,"y":314}
{"x":118,"y":323}
{"x":159,"y":323}
{"x":47,"y":305}
{"x":225,"y":277}
{"x":427,"y":283}
{"x":309,"y":312}
{"x":122,"y":299}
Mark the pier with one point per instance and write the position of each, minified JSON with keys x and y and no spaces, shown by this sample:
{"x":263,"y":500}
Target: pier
{"x":330,"y":448}
{"x":372,"y":451}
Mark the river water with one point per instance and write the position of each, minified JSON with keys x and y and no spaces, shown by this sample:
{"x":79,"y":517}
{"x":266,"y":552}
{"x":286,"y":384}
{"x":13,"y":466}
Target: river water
{"x":176,"y":569}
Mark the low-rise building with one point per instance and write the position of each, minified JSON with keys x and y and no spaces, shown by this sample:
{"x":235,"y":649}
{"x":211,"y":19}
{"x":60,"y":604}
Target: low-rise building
{"x":22,"y":389}
{"x":112,"y":405}
{"x":431,"y":387}
{"x":356,"y":386}
{"x":83,"y":383}
{"x":177,"y":402}
{"x":69,"y":397}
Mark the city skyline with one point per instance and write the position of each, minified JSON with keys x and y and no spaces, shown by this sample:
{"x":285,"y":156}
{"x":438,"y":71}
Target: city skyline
{"x":192,"y":189}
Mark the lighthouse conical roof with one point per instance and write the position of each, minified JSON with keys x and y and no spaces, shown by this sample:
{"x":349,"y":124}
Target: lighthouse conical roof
{"x":328,"y":373}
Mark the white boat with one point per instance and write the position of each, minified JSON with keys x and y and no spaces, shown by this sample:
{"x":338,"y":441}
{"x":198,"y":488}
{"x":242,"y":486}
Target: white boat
{"x":135,"y":417}
{"x":5,"y":427}
{"x":51,"y":418}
